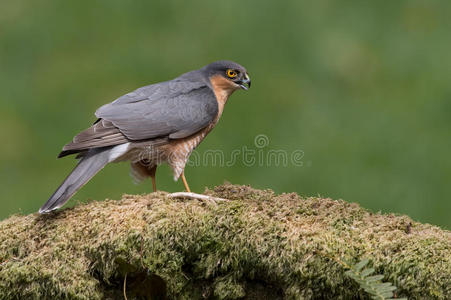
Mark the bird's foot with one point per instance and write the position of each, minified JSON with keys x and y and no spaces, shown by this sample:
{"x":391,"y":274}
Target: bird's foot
{"x":189,"y":195}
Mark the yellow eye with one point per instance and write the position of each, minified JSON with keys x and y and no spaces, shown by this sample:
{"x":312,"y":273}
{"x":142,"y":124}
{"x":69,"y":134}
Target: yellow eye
{"x":231,"y":73}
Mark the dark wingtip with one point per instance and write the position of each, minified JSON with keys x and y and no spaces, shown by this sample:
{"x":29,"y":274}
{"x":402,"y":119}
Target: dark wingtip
{"x":67,"y":152}
{"x":50,"y":205}
{"x":44,"y":211}
{"x":48,"y":208}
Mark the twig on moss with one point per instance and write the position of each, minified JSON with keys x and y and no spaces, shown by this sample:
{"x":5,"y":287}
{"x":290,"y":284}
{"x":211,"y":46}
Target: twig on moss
{"x":125,"y":285}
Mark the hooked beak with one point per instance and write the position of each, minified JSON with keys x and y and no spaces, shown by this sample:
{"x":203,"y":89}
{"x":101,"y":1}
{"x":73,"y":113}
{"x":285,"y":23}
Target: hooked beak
{"x":246,"y":80}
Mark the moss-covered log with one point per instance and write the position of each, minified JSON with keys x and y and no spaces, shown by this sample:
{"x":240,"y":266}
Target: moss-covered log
{"x":258,"y":245}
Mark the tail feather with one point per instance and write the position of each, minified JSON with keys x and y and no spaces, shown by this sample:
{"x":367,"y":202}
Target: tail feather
{"x":92,"y":162}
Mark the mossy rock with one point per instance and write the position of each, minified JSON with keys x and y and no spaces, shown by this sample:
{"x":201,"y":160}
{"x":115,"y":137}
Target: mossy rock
{"x":257,"y":245}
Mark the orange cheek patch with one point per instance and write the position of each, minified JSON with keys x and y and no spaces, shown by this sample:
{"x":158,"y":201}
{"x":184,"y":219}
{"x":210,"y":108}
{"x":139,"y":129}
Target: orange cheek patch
{"x":222,"y":87}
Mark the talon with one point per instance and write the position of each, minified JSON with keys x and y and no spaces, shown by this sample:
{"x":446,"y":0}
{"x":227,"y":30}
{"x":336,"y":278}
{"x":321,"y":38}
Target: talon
{"x":190,"y":195}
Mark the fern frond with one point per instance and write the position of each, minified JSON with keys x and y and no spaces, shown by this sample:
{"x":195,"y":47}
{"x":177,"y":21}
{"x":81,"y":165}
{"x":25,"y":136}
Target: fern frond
{"x":372,"y":285}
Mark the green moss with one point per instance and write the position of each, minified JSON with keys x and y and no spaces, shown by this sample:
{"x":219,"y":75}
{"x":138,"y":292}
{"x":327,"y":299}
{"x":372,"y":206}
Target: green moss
{"x":256,"y":245}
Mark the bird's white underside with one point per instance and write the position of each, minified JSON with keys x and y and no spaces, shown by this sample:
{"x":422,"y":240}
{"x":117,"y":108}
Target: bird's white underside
{"x":118,"y":151}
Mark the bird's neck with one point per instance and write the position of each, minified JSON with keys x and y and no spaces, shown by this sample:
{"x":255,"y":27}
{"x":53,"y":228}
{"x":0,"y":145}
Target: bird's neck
{"x":222,"y":88}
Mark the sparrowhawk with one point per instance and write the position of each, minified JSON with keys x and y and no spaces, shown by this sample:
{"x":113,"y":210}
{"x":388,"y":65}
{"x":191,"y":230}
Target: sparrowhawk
{"x":162,"y":122}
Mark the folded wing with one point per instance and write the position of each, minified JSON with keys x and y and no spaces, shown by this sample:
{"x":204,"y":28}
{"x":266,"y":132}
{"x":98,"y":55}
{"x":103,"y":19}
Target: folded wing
{"x":173,"y":109}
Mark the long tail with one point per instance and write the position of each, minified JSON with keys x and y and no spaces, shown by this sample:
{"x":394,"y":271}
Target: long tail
{"x":88,"y":166}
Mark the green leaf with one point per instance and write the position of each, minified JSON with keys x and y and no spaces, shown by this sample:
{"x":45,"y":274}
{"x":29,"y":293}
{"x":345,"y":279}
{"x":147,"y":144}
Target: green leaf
{"x":360,"y":265}
{"x":372,"y":285}
{"x":374,"y":278}
{"x":367,"y":272}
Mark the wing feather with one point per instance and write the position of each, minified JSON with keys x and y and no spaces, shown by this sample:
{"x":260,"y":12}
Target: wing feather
{"x":172,"y":109}
{"x":177,"y":115}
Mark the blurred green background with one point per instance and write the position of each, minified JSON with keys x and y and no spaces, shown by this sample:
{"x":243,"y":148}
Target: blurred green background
{"x":362,"y":88}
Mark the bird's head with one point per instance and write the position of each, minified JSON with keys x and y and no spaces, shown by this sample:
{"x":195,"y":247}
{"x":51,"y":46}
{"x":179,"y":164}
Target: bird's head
{"x":235,"y":75}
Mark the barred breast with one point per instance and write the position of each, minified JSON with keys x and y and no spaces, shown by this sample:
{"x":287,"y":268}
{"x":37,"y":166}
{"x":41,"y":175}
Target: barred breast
{"x":144,"y":156}
{"x":178,"y":151}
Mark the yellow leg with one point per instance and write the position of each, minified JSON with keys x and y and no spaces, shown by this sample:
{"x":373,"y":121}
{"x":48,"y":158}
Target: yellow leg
{"x":152,"y":172}
{"x":154,"y":185}
{"x":185,"y":183}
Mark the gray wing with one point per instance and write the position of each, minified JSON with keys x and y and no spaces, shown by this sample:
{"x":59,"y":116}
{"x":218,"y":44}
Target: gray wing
{"x":173,"y":109}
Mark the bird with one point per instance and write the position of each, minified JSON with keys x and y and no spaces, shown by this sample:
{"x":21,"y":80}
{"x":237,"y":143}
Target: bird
{"x":158,"y":123}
